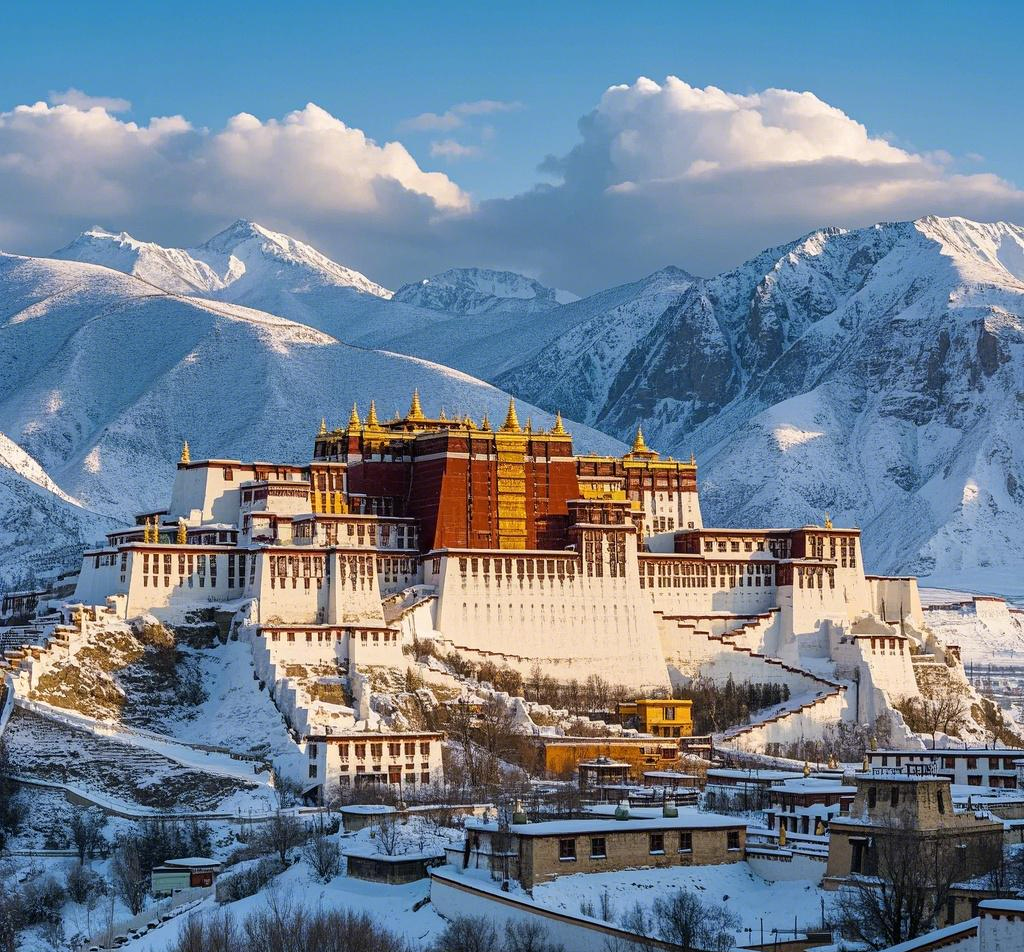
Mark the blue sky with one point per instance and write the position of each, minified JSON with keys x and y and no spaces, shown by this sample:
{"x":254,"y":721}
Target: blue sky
{"x":927,"y":77}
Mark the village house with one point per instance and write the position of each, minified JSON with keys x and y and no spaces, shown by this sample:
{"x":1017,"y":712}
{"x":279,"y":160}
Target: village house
{"x":969,"y":766}
{"x":535,"y":852}
{"x":915,"y":811}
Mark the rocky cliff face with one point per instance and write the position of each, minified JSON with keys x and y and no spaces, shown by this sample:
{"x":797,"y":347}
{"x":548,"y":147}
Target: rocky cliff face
{"x":876,"y":373}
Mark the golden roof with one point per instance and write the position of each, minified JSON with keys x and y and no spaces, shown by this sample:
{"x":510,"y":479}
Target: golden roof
{"x":415,"y":410}
{"x":511,"y":424}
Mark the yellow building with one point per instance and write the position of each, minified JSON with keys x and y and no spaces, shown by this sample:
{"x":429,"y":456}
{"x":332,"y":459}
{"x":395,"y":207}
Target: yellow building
{"x":658,"y":716}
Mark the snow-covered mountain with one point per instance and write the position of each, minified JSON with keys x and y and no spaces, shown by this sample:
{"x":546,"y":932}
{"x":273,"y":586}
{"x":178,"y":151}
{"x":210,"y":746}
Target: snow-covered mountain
{"x":102,"y":375}
{"x":482,"y":291}
{"x":874,"y":373}
{"x":245,"y":264}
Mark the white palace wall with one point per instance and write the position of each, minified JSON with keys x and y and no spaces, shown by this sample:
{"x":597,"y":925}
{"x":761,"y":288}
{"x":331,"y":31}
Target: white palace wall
{"x":552,"y":614}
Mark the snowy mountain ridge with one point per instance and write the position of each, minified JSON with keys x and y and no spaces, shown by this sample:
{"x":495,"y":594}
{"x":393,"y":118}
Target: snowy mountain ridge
{"x":481,"y":290}
{"x":236,"y":264}
{"x":874,"y":373}
{"x":103,"y":375}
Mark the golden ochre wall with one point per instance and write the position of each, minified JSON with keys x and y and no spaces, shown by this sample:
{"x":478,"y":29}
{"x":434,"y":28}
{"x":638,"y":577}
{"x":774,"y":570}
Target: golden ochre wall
{"x":560,"y":758}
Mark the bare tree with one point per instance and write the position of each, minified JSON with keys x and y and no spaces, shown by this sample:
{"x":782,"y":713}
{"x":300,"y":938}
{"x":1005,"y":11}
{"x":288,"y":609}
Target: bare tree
{"x":388,"y":833}
{"x":282,"y":833}
{"x":322,"y":852}
{"x":131,"y":878}
{"x":87,"y":832}
{"x":683,"y":919}
{"x":907,"y":882}
{"x":528,"y":936}
{"x":467,"y":934}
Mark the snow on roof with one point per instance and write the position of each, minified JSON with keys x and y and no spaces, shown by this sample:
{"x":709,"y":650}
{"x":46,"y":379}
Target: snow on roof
{"x":192,"y":862}
{"x":370,"y":851}
{"x":1010,"y":905}
{"x":812,"y":785}
{"x":734,"y":773}
{"x":952,"y":752}
{"x":367,"y":808}
{"x":669,"y":775}
{"x":687,"y":820}
{"x":892,"y":773}
{"x":936,"y":938}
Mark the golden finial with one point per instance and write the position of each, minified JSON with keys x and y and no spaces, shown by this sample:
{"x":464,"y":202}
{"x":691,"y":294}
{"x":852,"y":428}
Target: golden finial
{"x":485,"y":423}
{"x":147,"y":533}
{"x":833,"y":764}
{"x":874,"y":742}
{"x":467,"y":421}
{"x":807,"y":769}
{"x":693,"y":459}
{"x":558,"y":429}
{"x":639,"y":446}
{"x":323,"y":427}
{"x":415,"y":410}
{"x":782,"y":833}
{"x":529,"y":425}
{"x":443,"y":415}
{"x":828,"y":521}
{"x":819,"y":828}
{"x":865,"y":766}
{"x":371,"y":417}
{"x":511,"y":424}
{"x":182,"y":532}
{"x":185,"y":457}
{"x":353,"y":418}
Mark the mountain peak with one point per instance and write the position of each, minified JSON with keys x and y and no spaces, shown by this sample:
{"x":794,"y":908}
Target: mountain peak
{"x":482,"y":291}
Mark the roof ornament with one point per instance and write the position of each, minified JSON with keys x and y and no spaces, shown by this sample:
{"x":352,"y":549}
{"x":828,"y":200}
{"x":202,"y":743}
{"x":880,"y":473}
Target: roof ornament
{"x":323,"y":427}
{"x":371,"y":417}
{"x":511,"y":424}
{"x":485,"y":423}
{"x":467,"y":421}
{"x":639,"y":446}
{"x":529,"y":425}
{"x":807,"y":769}
{"x":185,"y":457}
{"x":182,"y":532}
{"x":693,"y":459}
{"x":558,"y":429}
{"x":415,"y":409}
{"x":353,"y":418}
{"x":828,"y":521}
{"x":443,"y":415}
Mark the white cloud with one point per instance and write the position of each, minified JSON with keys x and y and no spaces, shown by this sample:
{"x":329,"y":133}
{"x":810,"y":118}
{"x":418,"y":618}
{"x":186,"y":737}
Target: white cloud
{"x":80,"y":100}
{"x":63,"y":167}
{"x":662,"y":173}
{"x":670,"y":173}
{"x":456,"y":116}
{"x":450,"y":149}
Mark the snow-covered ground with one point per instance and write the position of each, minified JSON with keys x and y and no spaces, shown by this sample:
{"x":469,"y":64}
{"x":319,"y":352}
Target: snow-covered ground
{"x":754,"y":900}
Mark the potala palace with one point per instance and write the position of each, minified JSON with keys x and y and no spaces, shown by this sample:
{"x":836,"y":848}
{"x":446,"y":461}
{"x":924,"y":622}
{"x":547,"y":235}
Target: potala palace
{"x":501,"y":544}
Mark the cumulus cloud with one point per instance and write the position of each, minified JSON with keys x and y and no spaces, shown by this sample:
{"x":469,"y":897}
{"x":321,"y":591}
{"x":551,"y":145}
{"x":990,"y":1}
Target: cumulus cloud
{"x":63,"y":167}
{"x":80,"y":100}
{"x":661,"y":173}
{"x":670,"y":173}
{"x":450,"y":149}
{"x":456,"y":116}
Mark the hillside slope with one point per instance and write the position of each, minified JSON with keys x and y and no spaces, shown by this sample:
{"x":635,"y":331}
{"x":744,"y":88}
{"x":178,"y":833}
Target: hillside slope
{"x":102,"y":376}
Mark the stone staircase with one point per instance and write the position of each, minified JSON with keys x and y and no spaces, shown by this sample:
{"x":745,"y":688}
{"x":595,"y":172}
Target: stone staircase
{"x":816,"y":701}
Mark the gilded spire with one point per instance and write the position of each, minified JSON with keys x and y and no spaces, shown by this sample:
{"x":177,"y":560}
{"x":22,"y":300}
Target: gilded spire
{"x":558,"y":429}
{"x":182,"y":532}
{"x":443,"y":415}
{"x":353,"y":418}
{"x":185,"y":457}
{"x":529,"y":425}
{"x":639,"y":446}
{"x":828,"y":521}
{"x":415,"y":410}
{"x":485,"y":423}
{"x":371,"y":417}
{"x":511,"y":424}
{"x":323,"y":427}
{"x":693,"y":459}
{"x":467,"y":421}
